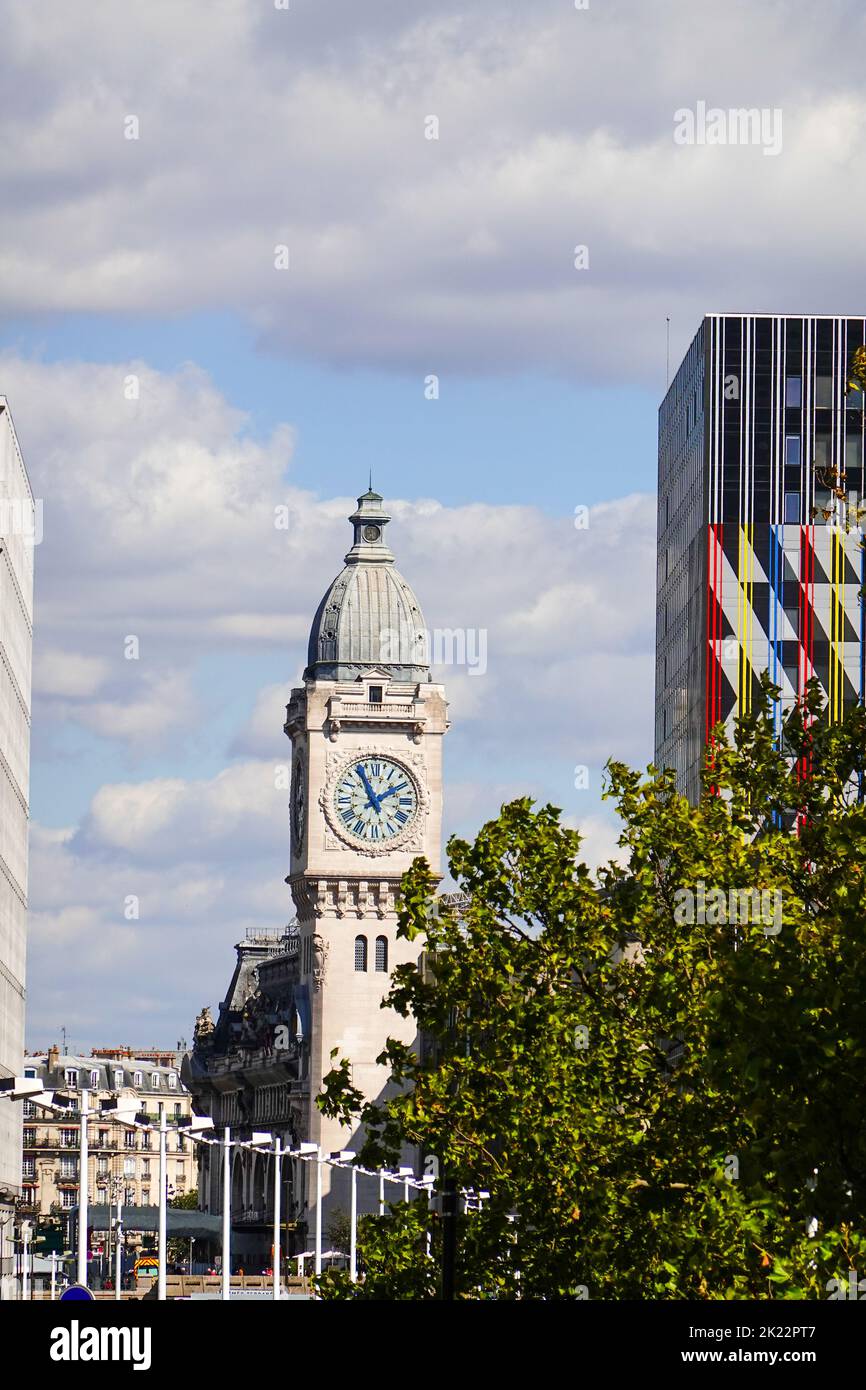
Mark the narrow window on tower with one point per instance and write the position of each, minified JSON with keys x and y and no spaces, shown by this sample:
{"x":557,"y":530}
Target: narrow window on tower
{"x":360,"y":953}
{"x":381,"y":953}
{"x":792,"y":509}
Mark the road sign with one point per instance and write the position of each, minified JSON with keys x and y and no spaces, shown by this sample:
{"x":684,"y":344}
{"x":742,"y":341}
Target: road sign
{"x":75,"y":1293}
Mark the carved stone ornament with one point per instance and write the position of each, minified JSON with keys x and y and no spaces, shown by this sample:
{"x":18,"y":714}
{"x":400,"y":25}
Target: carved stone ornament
{"x":204,"y":1025}
{"x":337,"y":837}
{"x":320,"y":957}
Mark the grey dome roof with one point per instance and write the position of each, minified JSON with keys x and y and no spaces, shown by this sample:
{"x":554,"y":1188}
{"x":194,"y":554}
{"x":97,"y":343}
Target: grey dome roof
{"x":369,"y":617}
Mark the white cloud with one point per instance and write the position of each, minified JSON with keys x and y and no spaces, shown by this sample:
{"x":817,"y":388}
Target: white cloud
{"x":260,"y":737}
{"x":261,"y":127}
{"x":70,"y":674}
{"x":160,"y":526}
{"x":163,"y":530}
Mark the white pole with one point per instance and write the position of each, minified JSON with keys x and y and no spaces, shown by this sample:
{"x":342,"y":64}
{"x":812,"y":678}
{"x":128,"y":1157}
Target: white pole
{"x":118,"y":1248}
{"x":276,"y":1255}
{"x":406,"y":1191}
{"x":381,"y":1192}
{"x":353,"y":1236}
{"x":227,"y":1224}
{"x":319,"y":1209}
{"x":53,"y":1275}
{"x":25,"y":1271}
{"x":82,"y":1192}
{"x":163,"y":1203}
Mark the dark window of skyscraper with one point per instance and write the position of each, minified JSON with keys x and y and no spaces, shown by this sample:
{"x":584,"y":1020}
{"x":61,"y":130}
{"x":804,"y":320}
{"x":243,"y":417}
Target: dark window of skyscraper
{"x":792,"y":450}
{"x":853,"y":454}
{"x":823,"y":392}
{"x":793,"y":390}
{"x":792,"y":508}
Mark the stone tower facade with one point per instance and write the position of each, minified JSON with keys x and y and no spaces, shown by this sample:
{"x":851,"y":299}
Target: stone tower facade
{"x":366,"y":799}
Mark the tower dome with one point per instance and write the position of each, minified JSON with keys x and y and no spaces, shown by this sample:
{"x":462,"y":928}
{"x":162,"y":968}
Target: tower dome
{"x":369,"y":617}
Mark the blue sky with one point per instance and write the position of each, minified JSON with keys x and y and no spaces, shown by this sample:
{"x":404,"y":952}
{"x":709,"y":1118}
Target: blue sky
{"x":547,"y":434}
{"x":158,"y":163}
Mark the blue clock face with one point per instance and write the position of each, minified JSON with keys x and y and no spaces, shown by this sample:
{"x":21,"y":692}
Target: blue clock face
{"x":375,"y":800}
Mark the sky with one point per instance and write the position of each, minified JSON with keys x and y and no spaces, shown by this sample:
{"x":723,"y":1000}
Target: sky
{"x":251,"y":253}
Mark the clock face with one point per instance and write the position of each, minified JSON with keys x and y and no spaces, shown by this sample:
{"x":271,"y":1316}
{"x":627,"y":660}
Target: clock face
{"x":299,"y":803}
{"x":375,"y":799}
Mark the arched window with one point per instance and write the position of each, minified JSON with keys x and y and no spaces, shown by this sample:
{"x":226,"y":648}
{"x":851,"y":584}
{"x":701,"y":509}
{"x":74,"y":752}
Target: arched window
{"x":360,"y":953}
{"x":381,"y":953}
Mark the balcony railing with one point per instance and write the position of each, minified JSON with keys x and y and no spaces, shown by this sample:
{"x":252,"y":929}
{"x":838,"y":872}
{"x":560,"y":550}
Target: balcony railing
{"x":349,"y":708}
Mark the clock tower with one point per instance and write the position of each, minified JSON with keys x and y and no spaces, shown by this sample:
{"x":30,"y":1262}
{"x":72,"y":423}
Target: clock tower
{"x":366,"y":799}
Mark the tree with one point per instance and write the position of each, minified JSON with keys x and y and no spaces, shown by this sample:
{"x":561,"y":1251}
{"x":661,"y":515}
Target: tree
{"x":338,"y":1230}
{"x":656,"y":1074}
{"x":185,"y":1201}
{"x":179,"y":1246}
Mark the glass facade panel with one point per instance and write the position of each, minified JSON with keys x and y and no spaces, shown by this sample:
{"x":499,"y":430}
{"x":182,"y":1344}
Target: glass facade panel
{"x":744,"y":502}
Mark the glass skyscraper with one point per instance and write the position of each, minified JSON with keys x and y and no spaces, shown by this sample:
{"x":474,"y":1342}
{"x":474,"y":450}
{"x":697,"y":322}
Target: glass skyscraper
{"x":760,"y":510}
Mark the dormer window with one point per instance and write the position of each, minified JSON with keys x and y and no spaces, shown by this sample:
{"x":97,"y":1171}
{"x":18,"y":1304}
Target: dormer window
{"x":376,"y":694}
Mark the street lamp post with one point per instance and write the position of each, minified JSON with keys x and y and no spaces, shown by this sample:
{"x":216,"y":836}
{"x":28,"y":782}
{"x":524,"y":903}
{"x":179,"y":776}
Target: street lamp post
{"x":25,"y":1256}
{"x":277,"y":1176}
{"x":406,"y":1174}
{"x":353,"y":1230}
{"x":83,"y":1159}
{"x":118,"y":1247}
{"x":343,"y":1157}
{"x":227,"y":1223}
{"x":162,"y":1249}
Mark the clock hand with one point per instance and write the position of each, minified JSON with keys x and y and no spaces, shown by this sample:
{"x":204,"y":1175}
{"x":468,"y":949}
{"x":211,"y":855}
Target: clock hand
{"x":392,"y":790}
{"x":371,"y":795}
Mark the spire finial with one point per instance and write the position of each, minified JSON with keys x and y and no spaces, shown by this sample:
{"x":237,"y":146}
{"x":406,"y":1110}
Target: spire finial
{"x":371,"y":480}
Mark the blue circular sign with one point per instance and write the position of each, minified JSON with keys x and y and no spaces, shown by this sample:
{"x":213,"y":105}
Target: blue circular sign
{"x":74,"y":1293}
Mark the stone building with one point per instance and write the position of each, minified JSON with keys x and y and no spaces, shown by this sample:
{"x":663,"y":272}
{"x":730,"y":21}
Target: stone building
{"x":366,"y":729}
{"x":122,"y":1162}
{"x":19,"y":531}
